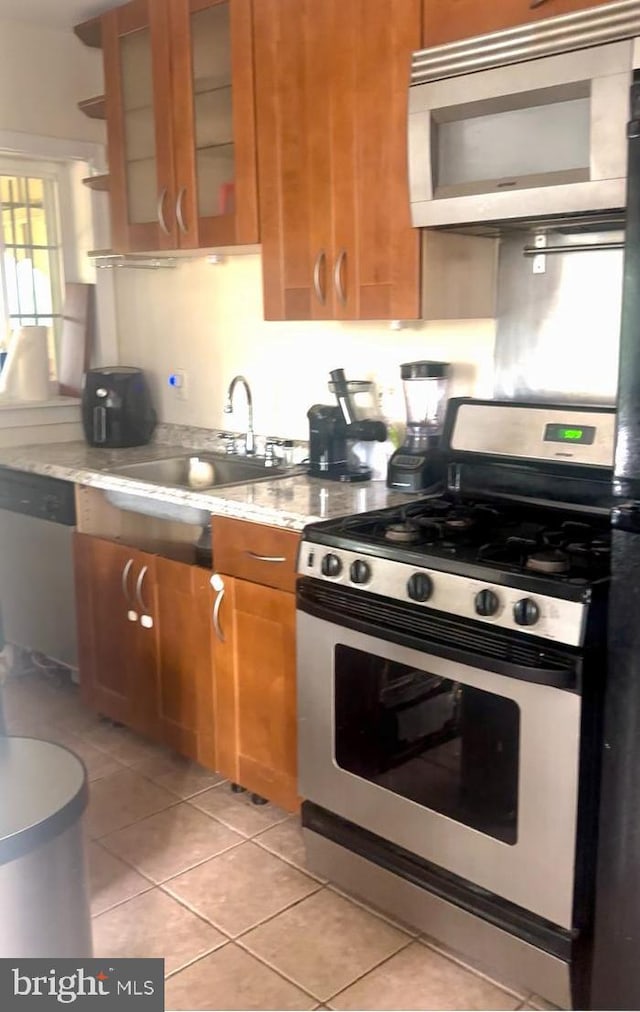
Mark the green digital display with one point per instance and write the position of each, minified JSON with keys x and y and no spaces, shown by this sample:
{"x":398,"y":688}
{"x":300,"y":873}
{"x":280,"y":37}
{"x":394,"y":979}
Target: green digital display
{"x":584,"y":435}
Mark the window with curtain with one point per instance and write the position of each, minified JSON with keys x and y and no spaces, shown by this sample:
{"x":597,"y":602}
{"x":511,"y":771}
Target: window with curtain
{"x":30,"y":253}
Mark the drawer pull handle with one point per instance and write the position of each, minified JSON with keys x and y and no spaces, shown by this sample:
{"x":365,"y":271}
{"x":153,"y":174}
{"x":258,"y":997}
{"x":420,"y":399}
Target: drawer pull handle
{"x":265,"y":558}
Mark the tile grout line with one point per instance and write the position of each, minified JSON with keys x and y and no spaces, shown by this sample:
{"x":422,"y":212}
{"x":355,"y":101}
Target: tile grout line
{"x":406,"y":929}
{"x":323,"y":1001}
{"x":128,"y":825}
{"x":183,"y":871}
{"x":219,"y":819}
{"x":279,"y":973}
{"x":196,"y":959}
{"x":245,"y":931}
{"x":292,"y":864}
{"x":370,"y":970}
{"x":477,"y":973}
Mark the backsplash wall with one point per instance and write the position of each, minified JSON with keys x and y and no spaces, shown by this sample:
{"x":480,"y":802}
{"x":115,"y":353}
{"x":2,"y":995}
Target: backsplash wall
{"x":207,"y":320}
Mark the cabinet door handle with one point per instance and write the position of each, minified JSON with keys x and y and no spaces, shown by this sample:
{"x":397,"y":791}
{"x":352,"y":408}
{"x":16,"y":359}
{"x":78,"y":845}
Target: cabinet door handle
{"x":139,"y":583}
{"x":337,"y":277}
{"x":317,"y":287}
{"x":218,"y":585}
{"x":132,"y":614}
{"x":126,"y":569}
{"x":161,"y":218}
{"x":179,"y":211}
{"x":536,"y":3}
{"x":266,"y":558}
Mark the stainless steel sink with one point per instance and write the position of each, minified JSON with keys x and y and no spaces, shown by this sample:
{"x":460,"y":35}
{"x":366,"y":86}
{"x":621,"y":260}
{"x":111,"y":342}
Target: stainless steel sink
{"x":180,"y":472}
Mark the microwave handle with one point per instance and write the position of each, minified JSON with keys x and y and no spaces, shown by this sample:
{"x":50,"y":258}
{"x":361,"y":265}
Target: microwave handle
{"x":100,"y":424}
{"x":420,"y":157}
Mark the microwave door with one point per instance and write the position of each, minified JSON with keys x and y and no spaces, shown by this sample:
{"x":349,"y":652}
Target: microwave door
{"x":543,"y":137}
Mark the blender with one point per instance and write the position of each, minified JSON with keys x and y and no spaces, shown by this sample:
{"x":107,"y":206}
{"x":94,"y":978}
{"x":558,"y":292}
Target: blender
{"x":416,"y":465}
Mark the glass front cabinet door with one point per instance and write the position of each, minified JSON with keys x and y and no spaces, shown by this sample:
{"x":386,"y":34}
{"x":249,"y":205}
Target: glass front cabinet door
{"x":181,"y":124}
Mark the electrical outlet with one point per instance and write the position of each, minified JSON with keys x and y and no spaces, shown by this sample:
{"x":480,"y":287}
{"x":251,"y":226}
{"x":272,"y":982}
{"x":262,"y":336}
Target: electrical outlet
{"x":178,"y":383}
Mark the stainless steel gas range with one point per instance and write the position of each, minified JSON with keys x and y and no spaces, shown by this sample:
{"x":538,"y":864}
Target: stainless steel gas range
{"x":450,"y":675}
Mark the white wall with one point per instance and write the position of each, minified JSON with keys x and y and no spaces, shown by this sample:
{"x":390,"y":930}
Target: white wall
{"x":207,"y":320}
{"x":44,"y":73}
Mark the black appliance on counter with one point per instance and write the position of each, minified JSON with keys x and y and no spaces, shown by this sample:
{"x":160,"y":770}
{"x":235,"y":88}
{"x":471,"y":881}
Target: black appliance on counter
{"x":616,"y":979}
{"x":333,"y":428}
{"x":417,"y":464}
{"x":117,"y":410}
{"x":451,"y":671}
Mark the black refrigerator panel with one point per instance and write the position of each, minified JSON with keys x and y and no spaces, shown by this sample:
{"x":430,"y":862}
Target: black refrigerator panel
{"x":627,"y":455}
{"x":616,"y":970}
{"x":616,"y":953}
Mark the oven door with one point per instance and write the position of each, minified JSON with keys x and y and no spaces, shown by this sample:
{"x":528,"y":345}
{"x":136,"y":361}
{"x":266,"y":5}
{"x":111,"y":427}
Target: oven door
{"x":470,"y":769}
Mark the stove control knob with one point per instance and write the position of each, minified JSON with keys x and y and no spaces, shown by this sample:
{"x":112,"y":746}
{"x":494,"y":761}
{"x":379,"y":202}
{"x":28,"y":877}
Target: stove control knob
{"x":419,"y":587}
{"x":331,"y":565}
{"x":360,"y":571}
{"x":487,"y":603}
{"x":526,"y":612}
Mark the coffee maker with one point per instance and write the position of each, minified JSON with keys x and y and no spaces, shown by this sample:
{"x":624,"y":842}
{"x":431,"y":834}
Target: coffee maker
{"x":332,"y":428}
{"x":417,"y":465}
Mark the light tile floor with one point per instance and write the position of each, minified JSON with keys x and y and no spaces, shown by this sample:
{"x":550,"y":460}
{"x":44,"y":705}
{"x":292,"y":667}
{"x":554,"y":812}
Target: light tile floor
{"x":184,"y":869}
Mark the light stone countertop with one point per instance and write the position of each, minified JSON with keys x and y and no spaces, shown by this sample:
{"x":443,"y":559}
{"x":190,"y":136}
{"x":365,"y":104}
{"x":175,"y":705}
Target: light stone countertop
{"x":289,"y":502}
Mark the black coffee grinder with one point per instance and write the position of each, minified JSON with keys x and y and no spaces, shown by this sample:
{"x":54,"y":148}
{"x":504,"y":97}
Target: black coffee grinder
{"x":417,"y":464}
{"x":333,"y":427}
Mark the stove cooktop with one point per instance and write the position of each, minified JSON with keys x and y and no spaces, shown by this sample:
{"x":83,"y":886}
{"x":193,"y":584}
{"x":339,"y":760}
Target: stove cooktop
{"x":570,"y":547}
{"x":530,"y":569}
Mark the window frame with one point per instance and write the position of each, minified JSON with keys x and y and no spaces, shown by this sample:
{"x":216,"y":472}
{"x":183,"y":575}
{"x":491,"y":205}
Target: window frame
{"x":53,"y":175}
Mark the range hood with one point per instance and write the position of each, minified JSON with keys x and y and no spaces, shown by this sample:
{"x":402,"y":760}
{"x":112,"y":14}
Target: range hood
{"x":525,"y":124}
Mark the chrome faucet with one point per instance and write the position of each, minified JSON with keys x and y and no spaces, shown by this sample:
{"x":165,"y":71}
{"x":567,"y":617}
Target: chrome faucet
{"x":249,"y":440}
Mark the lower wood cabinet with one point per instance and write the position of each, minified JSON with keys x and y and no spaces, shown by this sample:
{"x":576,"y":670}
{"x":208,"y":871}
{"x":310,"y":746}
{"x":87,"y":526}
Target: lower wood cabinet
{"x":185,"y":672}
{"x":209,"y":671}
{"x":118,"y":655}
{"x":254,"y":648}
{"x":145,"y":645}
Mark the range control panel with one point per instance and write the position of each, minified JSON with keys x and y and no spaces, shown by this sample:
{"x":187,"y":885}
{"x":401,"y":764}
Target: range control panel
{"x":507,"y":607}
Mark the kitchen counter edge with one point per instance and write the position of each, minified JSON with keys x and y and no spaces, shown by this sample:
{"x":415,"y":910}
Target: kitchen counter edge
{"x":290,"y":502}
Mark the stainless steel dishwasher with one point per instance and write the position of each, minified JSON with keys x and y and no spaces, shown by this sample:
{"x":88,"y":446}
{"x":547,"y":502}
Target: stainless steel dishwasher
{"x":37,"y":597}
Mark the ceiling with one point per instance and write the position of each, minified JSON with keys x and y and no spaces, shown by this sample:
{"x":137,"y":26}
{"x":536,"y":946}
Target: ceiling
{"x":59,"y":14}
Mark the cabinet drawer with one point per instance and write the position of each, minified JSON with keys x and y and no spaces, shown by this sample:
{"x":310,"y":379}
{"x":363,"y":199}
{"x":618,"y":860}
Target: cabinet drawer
{"x":256,"y":553}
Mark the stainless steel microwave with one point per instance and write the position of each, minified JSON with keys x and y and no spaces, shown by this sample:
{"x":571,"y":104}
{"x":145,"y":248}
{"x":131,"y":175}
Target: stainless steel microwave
{"x":496,"y":134}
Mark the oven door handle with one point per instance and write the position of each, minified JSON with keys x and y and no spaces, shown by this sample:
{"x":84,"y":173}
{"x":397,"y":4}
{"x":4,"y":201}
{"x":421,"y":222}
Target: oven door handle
{"x":556,"y":678}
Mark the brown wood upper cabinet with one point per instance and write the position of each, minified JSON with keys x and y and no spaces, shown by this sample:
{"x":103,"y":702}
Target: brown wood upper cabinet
{"x":332,"y":84}
{"x":450,"y":20}
{"x":180,"y":123}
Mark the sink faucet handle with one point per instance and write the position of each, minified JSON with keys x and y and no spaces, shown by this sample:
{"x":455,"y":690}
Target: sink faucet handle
{"x":229,"y":442}
{"x":271,"y":458}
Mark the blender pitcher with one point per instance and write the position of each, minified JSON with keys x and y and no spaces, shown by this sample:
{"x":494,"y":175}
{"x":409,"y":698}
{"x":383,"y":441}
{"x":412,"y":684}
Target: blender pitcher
{"x":415,"y":466}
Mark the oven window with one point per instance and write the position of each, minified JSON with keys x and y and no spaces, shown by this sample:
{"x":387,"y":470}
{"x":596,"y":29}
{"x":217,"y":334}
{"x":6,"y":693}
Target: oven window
{"x":448,"y":746}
